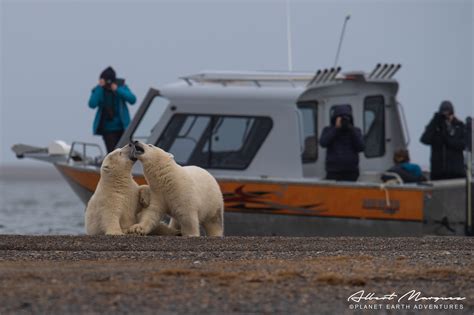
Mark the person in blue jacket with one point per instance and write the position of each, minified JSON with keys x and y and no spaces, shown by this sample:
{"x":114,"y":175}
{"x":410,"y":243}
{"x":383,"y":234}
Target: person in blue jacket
{"x":343,"y":142}
{"x":112,"y":117}
{"x":408,"y":172}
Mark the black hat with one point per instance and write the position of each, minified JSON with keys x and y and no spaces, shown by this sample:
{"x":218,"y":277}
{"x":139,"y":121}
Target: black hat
{"x":446,"y":106}
{"x":108,"y":74}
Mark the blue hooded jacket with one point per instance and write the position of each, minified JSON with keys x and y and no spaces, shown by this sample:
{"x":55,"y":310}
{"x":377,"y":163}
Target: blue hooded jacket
{"x":343,"y":146}
{"x":96,"y":100}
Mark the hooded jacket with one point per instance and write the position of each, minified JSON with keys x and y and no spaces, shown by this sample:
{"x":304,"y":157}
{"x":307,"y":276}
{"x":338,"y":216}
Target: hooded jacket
{"x":343,"y":145}
{"x":447,"y":146}
{"x":123,"y":95}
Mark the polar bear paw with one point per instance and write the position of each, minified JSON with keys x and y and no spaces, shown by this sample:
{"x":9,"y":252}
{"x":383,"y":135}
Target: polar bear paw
{"x":114,"y":232}
{"x":136,"y":229}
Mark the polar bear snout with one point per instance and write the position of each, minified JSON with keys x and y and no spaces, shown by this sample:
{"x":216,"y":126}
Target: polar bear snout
{"x":135,"y":150}
{"x":139,"y":149}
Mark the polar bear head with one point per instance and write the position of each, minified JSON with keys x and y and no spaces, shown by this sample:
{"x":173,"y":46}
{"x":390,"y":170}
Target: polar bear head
{"x":153,"y":158}
{"x":117,"y":163}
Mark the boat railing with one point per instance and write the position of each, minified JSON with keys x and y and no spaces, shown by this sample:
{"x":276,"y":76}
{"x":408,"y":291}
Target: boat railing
{"x":256,"y":78}
{"x":322,"y":76}
{"x":80,"y":155}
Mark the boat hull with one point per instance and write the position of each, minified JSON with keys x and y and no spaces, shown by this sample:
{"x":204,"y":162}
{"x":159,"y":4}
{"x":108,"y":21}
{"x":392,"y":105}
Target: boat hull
{"x":304,"y":208}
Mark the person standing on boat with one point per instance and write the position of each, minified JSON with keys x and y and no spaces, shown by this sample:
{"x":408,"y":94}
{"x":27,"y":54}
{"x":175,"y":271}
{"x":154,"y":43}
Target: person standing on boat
{"x":445,"y":134}
{"x":112,"y":117}
{"x":343,"y":142}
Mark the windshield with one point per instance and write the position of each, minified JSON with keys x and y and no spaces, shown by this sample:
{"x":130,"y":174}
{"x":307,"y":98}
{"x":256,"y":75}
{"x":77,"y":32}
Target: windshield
{"x":215,"y":141}
{"x":150,"y":118}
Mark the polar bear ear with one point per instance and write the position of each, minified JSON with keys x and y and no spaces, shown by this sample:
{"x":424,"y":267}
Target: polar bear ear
{"x":171,"y":155}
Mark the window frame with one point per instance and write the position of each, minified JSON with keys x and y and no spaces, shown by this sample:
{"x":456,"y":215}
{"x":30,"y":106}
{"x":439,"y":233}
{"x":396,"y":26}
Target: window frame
{"x":205,"y":137}
{"x":382,"y":152}
{"x":140,"y":114}
{"x":314,"y":106}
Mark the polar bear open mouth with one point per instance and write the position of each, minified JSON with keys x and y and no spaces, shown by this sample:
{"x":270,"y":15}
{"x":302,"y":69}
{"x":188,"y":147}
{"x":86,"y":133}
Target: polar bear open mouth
{"x":136,"y":149}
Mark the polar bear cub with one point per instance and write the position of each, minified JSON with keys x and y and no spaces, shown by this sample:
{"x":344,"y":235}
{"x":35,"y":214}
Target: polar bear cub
{"x":117,"y":199}
{"x":114,"y":204}
{"x":188,"y":194}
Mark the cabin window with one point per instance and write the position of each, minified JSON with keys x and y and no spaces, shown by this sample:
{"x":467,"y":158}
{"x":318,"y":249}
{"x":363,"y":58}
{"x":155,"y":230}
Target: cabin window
{"x":187,"y":137}
{"x":309,"y":116}
{"x":374,"y":126}
{"x":150,"y":118}
{"x":211,"y":141}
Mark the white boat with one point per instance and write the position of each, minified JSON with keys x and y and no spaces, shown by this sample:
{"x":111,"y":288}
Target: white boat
{"x":257,"y":133}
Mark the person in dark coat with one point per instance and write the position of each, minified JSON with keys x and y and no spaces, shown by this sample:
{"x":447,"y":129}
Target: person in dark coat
{"x":110,"y":97}
{"x":445,"y":134}
{"x":343,"y":142}
{"x":408,"y":172}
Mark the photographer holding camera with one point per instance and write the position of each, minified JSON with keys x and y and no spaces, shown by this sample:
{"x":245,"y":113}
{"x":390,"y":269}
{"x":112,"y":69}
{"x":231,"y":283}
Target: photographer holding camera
{"x":112,"y":117}
{"x":343,"y":142}
{"x":445,"y":134}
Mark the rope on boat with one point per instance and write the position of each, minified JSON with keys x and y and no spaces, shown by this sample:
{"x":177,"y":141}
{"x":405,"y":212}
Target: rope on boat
{"x":383,"y":187}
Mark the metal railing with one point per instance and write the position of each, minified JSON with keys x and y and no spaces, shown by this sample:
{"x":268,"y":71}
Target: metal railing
{"x":256,"y":78}
{"x":84,"y":159}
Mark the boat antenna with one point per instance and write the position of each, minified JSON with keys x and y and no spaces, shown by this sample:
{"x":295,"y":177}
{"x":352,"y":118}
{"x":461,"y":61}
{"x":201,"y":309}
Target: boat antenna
{"x":340,"y":39}
{"x":288,"y":35}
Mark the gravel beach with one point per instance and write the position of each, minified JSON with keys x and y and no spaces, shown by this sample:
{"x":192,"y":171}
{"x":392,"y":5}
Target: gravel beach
{"x":233,"y":275}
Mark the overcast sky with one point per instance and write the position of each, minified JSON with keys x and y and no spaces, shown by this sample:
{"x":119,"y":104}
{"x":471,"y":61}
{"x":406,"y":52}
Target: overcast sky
{"x":53,"y":51}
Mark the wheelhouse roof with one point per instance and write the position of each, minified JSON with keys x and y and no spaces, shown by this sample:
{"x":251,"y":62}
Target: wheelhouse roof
{"x":181,"y":91}
{"x":278,"y":87}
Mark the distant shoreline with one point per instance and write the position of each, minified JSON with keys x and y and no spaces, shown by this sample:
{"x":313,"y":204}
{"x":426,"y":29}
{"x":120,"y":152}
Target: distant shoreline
{"x":29,"y":172}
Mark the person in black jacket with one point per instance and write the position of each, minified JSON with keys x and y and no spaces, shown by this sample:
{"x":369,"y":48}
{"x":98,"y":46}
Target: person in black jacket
{"x":343,"y":142}
{"x":445,"y":134}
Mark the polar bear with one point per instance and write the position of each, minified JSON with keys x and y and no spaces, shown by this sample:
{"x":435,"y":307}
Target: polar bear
{"x":117,"y":199}
{"x":189,"y":195}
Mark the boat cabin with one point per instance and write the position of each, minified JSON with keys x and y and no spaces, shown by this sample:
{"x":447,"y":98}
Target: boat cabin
{"x":267,"y":124}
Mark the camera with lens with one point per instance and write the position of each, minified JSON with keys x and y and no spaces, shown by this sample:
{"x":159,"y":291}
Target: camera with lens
{"x":440,"y":119}
{"x":109,"y":82}
{"x":345,"y":122}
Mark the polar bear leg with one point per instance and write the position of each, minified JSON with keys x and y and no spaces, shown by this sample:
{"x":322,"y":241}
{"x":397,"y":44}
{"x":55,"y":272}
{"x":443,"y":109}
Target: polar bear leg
{"x":112,"y":227}
{"x":149,"y":218}
{"x":163,"y":229}
{"x":174,"y":224}
{"x":144,"y":196}
{"x":189,"y":225}
{"x":214,"y":226}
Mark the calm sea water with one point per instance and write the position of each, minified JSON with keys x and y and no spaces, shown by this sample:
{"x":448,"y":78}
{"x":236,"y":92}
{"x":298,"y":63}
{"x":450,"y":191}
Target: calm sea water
{"x":39,"y":207}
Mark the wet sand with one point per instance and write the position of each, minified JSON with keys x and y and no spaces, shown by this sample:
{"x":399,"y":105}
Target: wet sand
{"x":233,"y":275}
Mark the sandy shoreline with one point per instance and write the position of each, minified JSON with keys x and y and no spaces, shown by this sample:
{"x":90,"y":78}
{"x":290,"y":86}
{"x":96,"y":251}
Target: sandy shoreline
{"x":234,"y":275}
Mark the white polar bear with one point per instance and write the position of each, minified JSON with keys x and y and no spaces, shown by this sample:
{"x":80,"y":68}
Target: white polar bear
{"x":117,"y":199}
{"x":189,"y":195}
